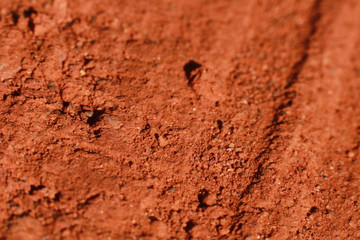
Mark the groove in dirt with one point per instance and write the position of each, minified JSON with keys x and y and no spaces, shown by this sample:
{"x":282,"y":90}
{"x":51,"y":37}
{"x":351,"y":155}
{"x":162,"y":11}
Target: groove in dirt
{"x":286,"y":100}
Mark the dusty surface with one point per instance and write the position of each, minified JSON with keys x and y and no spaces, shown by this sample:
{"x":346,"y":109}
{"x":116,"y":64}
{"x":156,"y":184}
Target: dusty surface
{"x":209,"y":119}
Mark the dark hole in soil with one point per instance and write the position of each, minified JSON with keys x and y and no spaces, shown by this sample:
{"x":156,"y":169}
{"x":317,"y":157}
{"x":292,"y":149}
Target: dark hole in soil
{"x":96,"y":117}
{"x":147,"y":127}
{"x":31,"y":25}
{"x":189,"y":225}
{"x":66,"y":104}
{"x":220,"y":124}
{"x":153,"y":219}
{"x":33,"y":189}
{"x":238,"y":227}
{"x":57,"y":197}
{"x":312,"y":210}
{"x":29,"y":11}
{"x":156,"y":136}
{"x":201,"y":197}
{"x":27,"y":14}
{"x":15,"y":17}
{"x":87,"y":61}
{"x":189,"y":67}
{"x":16,"y":93}
{"x":97,"y":133}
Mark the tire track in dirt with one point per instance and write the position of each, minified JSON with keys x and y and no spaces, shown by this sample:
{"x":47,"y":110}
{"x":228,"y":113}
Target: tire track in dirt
{"x":285,"y":99}
{"x":305,"y":210}
{"x":279,"y":121}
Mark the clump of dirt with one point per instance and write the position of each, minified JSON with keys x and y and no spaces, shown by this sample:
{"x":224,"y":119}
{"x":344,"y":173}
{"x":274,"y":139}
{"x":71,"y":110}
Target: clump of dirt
{"x":179,"y":119}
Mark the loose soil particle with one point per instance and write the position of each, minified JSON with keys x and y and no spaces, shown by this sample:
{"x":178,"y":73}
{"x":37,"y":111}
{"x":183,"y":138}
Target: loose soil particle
{"x":224,"y":119}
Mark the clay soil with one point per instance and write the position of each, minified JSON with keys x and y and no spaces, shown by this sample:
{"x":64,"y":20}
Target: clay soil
{"x":187,"y":119}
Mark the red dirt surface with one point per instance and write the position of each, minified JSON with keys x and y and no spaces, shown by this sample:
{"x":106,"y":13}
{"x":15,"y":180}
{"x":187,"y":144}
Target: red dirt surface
{"x":191,"y":119}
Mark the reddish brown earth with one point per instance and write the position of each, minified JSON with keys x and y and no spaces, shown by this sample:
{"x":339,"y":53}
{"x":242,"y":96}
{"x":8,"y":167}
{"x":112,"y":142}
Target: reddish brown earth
{"x":191,"y":119}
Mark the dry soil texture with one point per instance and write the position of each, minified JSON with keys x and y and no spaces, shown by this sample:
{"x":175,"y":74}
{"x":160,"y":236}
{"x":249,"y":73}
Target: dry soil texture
{"x":186,"y":119}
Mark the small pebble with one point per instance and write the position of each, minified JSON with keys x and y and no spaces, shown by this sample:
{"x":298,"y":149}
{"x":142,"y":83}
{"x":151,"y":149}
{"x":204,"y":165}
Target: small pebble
{"x":89,"y":114}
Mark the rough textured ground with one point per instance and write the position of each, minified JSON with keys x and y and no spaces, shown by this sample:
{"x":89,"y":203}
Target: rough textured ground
{"x":191,"y":119}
